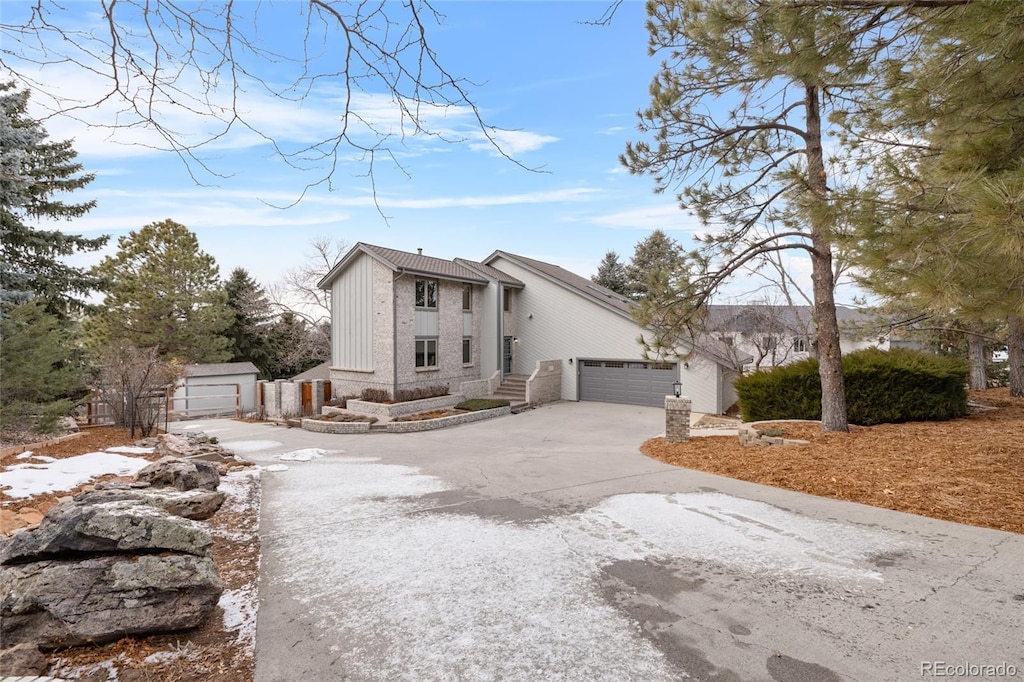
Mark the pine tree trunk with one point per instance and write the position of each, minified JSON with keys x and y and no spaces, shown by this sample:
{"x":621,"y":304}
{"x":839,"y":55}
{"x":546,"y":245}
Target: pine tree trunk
{"x":1015,"y":345}
{"x":830,"y":360}
{"x":976,"y":358}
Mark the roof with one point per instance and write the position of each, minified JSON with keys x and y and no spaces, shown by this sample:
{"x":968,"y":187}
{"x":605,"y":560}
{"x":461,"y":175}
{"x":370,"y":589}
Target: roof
{"x":403,"y":261}
{"x":321,"y":371}
{"x":491,"y":273}
{"x":610,"y":300}
{"x":751,"y":318}
{"x":219,"y":368}
{"x":581,"y":285}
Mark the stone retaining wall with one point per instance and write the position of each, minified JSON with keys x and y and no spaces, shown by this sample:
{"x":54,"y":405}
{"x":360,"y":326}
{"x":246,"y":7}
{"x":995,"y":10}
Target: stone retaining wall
{"x":409,"y":407}
{"x":749,"y":435}
{"x":545,"y":384}
{"x":319,"y":426}
{"x":443,"y":422}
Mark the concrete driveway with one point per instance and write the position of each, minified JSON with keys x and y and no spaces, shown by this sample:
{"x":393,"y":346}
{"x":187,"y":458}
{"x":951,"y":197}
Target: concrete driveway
{"x":543,"y":546}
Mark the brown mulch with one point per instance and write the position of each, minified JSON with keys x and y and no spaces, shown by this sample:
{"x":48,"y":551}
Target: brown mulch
{"x":208,"y":652}
{"x":968,"y":470}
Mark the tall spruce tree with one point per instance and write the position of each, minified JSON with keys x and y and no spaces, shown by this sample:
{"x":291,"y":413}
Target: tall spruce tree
{"x":611,"y":273}
{"x":251,"y":324}
{"x":653,"y":257}
{"x":33,"y":172}
{"x":165,"y":293}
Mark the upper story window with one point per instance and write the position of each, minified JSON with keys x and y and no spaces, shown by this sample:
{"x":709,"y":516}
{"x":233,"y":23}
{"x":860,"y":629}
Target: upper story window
{"x":799,"y":344}
{"x":507,"y":305}
{"x":426,"y":293}
{"x":467,"y":296}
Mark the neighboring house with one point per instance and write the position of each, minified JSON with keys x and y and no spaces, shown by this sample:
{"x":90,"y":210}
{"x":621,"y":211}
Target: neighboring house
{"x":774,"y":335}
{"x":216,"y":388}
{"x":321,"y":372}
{"x":402,"y":320}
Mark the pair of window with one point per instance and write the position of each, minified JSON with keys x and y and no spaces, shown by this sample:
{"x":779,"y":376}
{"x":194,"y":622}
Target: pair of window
{"x":426,"y":294}
{"x":426,"y":352}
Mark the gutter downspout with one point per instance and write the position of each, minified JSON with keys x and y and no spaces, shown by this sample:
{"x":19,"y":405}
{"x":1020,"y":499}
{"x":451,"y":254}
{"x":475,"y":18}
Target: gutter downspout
{"x":394,"y":333}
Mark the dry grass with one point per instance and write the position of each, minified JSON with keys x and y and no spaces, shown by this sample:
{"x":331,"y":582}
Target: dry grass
{"x":968,"y":470}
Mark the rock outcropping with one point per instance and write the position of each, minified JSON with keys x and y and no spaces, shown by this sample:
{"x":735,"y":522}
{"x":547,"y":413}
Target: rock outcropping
{"x":123,"y":559}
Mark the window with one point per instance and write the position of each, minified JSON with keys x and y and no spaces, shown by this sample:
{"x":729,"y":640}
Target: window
{"x":467,"y":350}
{"x":426,"y":353}
{"x":507,"y":307}
{"x":426,"y":293}
{"x":799,"y":344}
{"x":467,"y":296}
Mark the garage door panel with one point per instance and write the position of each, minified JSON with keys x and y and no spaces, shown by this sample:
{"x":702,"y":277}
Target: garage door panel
{"x":626,"y":382}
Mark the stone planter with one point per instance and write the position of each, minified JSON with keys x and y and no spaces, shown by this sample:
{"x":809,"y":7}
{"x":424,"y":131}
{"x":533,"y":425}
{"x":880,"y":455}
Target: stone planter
{"x":408,"y":407}
{"x":320,"y":426}
{"x":443,"y":422}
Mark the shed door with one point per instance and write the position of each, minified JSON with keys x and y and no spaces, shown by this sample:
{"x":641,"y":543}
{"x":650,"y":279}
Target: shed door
{"x":626,"y":381}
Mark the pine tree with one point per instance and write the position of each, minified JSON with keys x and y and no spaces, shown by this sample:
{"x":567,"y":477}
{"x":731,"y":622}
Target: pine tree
{"x":165,"y":293}
{"x":611,"y":273}
{"x":32,"y":172}
{"x":251,"y":324}
{"x":655,"y":256}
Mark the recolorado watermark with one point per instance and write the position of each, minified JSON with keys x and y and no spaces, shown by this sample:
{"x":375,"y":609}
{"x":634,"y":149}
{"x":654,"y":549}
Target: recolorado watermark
{"x":983,"y":670}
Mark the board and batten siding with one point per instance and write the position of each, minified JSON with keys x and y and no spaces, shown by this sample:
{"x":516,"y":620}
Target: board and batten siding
{"x":566,"y":325}
{"x":352,"y":316}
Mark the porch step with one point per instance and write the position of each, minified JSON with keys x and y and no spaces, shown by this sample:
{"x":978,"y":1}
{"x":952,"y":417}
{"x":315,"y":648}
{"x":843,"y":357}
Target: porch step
{"x":513,"y":389}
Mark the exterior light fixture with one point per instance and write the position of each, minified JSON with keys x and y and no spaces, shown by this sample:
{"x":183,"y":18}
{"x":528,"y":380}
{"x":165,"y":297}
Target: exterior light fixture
{"x":677,"y":388}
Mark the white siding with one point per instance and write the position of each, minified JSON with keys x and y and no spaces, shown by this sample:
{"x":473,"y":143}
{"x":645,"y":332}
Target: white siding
{"x":352,"y":318}
{"x":566,"y":325}
{"x":489,"y":345}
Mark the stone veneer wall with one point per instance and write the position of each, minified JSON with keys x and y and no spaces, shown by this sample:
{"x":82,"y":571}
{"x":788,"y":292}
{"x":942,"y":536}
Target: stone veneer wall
{"x":444,"y":422}
{"x":408,"y":407}
{"x":320,"y":426}
{"x":481,"y":388}
{"x":545,"y":384}
{"x":677,"y":419}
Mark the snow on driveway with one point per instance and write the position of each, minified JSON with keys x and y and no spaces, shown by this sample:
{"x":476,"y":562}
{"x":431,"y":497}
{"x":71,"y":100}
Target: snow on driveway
{"x":435,"y":595}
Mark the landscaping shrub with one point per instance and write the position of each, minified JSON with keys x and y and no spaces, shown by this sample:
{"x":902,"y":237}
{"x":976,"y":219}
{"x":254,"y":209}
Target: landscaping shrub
{"x":481,"y":404}
{"x":881,"y":387}
{"x":421,"y":393}
{"x":375,"y":395}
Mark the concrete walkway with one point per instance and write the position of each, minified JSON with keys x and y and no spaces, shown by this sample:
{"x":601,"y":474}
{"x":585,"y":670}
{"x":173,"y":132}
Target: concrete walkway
{"x":544,"y":546}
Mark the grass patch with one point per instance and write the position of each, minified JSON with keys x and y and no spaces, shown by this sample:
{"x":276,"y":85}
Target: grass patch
{"x":477,"y":404}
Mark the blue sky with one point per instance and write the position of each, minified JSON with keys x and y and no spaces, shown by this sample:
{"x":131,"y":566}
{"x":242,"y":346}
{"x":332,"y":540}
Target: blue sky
{"x":568,"y":91}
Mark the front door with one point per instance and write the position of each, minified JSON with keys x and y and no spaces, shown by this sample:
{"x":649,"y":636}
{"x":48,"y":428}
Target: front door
{"x":506,"y":356}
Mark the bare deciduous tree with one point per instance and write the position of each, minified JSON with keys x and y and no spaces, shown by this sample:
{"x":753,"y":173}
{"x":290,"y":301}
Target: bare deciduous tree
{"x":157,"y":61}
{"x":134,"y":382}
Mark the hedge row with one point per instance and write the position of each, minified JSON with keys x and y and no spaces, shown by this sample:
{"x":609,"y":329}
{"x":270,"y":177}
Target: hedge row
{"x":882,"y":387}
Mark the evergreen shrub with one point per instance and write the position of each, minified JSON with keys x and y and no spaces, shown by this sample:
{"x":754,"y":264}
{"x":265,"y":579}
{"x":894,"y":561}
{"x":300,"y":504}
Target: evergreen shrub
{"x":882,"y":387}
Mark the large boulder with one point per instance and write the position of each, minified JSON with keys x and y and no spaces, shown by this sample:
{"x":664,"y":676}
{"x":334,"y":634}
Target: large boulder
{"x":72,"y":528}
{"x":182,"y":474}
{"x":197,"y":504}
{"x":57,"y":604}
{"x":23,"y":660}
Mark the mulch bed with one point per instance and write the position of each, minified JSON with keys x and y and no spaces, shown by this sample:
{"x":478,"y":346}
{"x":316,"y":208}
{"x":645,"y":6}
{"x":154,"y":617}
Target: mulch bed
{"x":968,"y":470}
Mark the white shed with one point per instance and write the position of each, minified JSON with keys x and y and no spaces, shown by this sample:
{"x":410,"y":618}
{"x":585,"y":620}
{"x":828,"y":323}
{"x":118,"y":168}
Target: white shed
{"x":221,"y":388}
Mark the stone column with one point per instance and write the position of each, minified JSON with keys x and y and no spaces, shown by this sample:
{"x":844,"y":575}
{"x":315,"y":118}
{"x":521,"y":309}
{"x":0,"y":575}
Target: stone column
{"x":291,"y":399}
{"x":318,"y":395}
{"x":677,"y":419}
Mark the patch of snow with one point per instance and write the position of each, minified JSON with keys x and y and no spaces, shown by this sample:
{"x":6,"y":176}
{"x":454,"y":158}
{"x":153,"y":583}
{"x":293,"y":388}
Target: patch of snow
{"x":239,"y":608}
{"x":42,"y":458}
{"x":239,"y":446}
{"x":275,"y":467}
{"x":192,"y":427}
{"x":307,"y":455}
{"x":26,"y":480}
{"x":395,"y":588}
{"x":130,"y":450}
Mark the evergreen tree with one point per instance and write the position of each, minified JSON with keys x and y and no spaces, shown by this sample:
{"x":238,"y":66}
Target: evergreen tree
{"x":41,"y":368}
{"x":251,"y":323}
{"x":165,"y":293}
{"x":611,"y":273}
{"x":945,"y":228}
{"x":655,"y":256}
{"x":32,"y":172}
{"x":737,"y":119}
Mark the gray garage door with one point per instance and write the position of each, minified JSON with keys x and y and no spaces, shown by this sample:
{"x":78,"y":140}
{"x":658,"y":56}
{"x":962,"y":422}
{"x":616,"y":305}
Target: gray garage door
{"x":626,"y":381}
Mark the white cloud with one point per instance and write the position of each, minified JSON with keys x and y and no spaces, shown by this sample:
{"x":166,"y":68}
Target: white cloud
{"x":668,"y":217}
{"x":512,"y":142}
